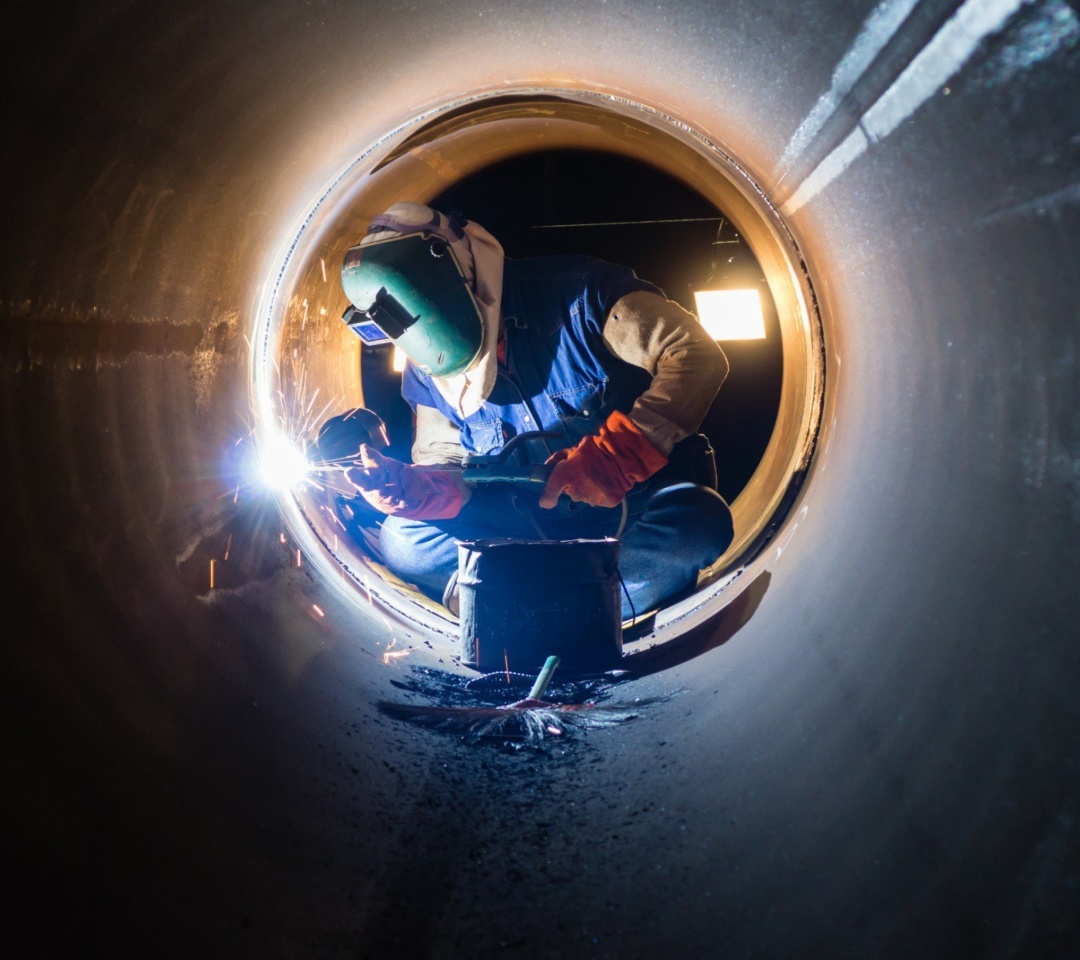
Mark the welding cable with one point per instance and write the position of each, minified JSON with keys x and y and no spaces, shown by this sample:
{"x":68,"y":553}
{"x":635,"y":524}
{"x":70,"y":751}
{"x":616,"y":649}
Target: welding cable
{"x":624,"y":516}
{"x":618,"y":535}
{"x":523,"y":509}
{"x":633,"y":609}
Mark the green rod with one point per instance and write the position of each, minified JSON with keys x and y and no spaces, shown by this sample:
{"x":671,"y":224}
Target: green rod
{"x":544,"y":678}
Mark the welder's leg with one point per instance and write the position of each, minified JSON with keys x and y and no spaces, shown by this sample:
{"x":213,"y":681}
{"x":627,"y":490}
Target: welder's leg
{"x":419,"y":552}
{"x":425,"y":552}
{"x":683,"y":528}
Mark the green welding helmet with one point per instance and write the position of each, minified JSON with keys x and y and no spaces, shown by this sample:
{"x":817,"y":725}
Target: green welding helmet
{"x":413,"y":289}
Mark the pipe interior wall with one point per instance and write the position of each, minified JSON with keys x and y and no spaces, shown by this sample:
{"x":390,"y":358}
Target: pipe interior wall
{"x":880,"y":759}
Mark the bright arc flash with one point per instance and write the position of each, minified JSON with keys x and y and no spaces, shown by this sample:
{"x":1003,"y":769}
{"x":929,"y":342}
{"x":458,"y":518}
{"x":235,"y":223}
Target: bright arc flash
{"x":281,"y":464}
{"x":731,"y":314}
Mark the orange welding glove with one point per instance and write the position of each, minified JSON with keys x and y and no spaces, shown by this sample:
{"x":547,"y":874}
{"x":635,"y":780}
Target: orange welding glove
{"x":406,"y":490}
{"x":602,"y":468}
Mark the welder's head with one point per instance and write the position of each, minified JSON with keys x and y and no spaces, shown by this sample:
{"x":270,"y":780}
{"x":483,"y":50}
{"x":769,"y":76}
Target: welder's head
{"x":340,"y":437}
{"x":412,"y":276}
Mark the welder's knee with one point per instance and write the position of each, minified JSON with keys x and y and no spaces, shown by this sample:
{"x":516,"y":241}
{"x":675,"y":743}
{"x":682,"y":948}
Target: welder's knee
{"x":699,"y":515}
{"x":416,"y":550}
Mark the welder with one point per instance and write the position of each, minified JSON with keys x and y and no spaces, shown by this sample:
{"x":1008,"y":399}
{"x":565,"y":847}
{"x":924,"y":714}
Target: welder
{"x":616,"y":378}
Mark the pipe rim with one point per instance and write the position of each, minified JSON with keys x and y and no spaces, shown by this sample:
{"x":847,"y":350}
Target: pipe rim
{"x":433,"y":148}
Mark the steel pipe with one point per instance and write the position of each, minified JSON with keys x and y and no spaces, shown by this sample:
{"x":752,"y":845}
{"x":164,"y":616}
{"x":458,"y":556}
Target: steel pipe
{"x":865,"y":747}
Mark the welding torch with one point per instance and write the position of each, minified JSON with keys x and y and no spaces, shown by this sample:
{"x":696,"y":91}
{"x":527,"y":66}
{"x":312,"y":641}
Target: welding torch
{"x":477,"y":469}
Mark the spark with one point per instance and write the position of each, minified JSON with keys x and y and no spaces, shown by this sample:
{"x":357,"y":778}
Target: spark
{"x":228,"y":547}
{"x":211,"y":574}
{"x":284,"y":463}
{"x":322,"y":266}
{"x":318,"y":609}
{"x":236,"y":496}
{"x":506,"y":662}
{"x":390,"y":655}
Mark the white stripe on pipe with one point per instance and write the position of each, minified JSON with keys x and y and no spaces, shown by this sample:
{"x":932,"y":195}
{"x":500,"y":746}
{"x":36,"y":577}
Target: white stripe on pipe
{"x":877,"y":31}
{"x":825,"y":172}
{"x":937,"y":62}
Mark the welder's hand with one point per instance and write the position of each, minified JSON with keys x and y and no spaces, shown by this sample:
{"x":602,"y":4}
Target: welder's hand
{"x":373,"y":471}
{"x":405,"y":490}
{"x":602,"y":468}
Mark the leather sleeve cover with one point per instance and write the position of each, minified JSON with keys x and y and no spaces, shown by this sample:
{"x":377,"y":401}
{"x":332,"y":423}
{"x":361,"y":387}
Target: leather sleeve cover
{"x":686,"y":364}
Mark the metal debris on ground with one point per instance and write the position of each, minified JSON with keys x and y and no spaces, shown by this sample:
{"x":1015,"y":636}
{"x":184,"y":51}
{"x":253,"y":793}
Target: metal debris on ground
{"x":503,"y":708}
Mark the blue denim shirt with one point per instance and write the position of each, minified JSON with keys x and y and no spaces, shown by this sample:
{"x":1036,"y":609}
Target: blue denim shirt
{"x":559,"y":375}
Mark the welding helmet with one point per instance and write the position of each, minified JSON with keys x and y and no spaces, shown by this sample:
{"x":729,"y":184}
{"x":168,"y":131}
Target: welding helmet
{"x":408,"y":278}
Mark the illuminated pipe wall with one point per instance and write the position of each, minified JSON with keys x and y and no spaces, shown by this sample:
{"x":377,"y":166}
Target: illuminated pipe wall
{"x":873,"y":755}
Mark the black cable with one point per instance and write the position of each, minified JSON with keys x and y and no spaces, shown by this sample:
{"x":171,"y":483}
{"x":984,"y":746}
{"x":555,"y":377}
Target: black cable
{"x":633,"y":609}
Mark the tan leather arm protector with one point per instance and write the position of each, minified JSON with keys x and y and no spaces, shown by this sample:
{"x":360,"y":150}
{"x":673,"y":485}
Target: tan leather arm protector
{"x":436,"y":439}
{"x":686,"y":364}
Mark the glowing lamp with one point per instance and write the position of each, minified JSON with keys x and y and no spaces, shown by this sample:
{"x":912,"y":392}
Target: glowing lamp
{"x":731,"y":314}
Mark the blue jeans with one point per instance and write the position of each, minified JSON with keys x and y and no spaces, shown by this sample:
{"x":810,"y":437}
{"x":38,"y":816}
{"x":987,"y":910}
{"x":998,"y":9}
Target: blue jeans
{"x":672,"y":532}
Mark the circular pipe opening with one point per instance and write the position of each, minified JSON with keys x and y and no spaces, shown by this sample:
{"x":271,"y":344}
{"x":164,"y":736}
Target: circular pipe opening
{"x":306,"y":363}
